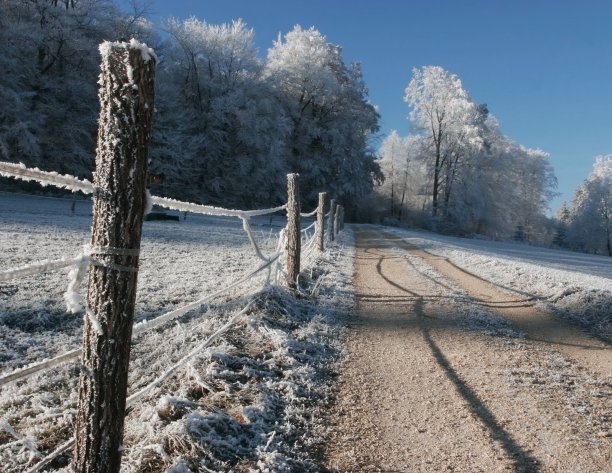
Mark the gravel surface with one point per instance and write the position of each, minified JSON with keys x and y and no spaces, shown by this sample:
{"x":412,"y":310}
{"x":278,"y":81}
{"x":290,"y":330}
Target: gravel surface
{"x":444,"y":372}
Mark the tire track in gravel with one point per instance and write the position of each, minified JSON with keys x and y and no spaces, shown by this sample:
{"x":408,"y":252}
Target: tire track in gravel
{"x":539,"y":325}
{"x":420,"y":392}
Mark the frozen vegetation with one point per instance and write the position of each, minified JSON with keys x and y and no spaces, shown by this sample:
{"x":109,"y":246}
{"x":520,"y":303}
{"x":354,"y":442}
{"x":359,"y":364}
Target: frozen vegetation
{"x":250,"y":400}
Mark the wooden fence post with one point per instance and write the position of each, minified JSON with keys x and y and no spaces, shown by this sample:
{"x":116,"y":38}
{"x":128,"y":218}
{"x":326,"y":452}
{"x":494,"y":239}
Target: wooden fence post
{"x":126,"y":108}
{"x":294,"y":239}
{"x":337,"y":220}
{"x":332,"y":220}
{"x":321,"y":221}
{"x":338,"y":216}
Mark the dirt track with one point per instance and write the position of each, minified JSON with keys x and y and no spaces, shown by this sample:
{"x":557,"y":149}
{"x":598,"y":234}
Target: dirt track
{"x":428,"y":388}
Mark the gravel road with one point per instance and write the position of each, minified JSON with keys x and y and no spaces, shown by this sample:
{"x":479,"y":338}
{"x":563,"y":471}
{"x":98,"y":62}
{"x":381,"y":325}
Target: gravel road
{"x":445,"y":372}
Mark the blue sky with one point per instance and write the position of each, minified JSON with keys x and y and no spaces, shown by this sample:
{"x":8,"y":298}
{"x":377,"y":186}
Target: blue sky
{"x":543,"y":67}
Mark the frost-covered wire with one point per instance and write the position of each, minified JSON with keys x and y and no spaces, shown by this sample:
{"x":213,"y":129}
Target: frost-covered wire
{"x":52,"y":456}
{"x":281,"y":246}
{"x":310,"y":214}
{"x":247,"y":228}
{"x":309,"y":249}
{"x":39,"y":268}
{"x":210,"y":210}
{"x":37,"y":367}
{"x":73,"y":299}
{"x":170,"y":371}
{"x":139,"y":328}
{"x":162,"y":319}
{"x":28,"y":443}
{"x":45,"y":178}
{"x":305,"y":230}
{"x":65,"y":181}
{"x":72,"y":296}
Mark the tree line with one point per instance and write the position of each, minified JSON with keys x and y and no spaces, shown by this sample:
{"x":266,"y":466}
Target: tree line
{"x":229,"y":125}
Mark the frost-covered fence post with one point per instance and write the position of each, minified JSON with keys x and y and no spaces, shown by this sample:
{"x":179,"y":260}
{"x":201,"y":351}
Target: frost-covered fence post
{"x":126,"y":108}
{"x":321,"y":221}
{"x":337,"y":220}
{"x":331,"y":226}
{"x":293,"y":229}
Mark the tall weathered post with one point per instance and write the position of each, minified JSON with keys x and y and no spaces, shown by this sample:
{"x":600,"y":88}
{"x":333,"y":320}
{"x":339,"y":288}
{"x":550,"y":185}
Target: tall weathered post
{"x":337,"y":220}
{"x":331,"y":227}
{"x":126,"y":108}
{"x":321,"y":221}
{"x":294,"y":240}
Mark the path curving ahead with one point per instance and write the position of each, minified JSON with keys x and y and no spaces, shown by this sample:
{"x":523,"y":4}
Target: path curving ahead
{"x":431,"y":384}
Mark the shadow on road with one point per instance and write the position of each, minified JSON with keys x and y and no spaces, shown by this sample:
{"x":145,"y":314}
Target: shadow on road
{"x":372,"y":244}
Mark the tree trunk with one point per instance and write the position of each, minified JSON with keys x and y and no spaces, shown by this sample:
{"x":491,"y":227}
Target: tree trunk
{"x":450,"y":179}
{"x":293,"y":230}
{"x":401,"y":206}
{"x":392,"y":196}
{"x":127,"y":103}
{"x":337,"y":220}
{"x":436,"y":183}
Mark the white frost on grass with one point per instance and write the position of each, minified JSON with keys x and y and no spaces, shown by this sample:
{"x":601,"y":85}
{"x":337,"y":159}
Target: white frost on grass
{"x":250,"y":402}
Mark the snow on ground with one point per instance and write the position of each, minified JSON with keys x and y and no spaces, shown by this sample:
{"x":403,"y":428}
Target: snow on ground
{"x":574,"y":285}
{"x":249,"y":402}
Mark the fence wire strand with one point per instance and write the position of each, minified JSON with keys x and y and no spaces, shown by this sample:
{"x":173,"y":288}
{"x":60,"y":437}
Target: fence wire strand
{"x":65,"y":181}
{"x":39,"y":267}
{"x":139,"y":328}
{"x":310,"y":214}
{"x":170,"y":371}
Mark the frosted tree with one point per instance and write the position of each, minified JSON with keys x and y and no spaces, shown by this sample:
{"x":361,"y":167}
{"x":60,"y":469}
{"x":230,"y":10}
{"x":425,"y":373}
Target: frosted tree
{"x":402,"y":164}
{"x":442,"y":112}
{"x":478,"y":180}
{"x":228,"y":126}
{"x":49,"y":61}
{"x":392,"y":157}
{"x":590,"y":219}
{"x":562,"y":221}
{"x":330,"y":117}
{"x":534,"y":183}
{"x":220,"y":134}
